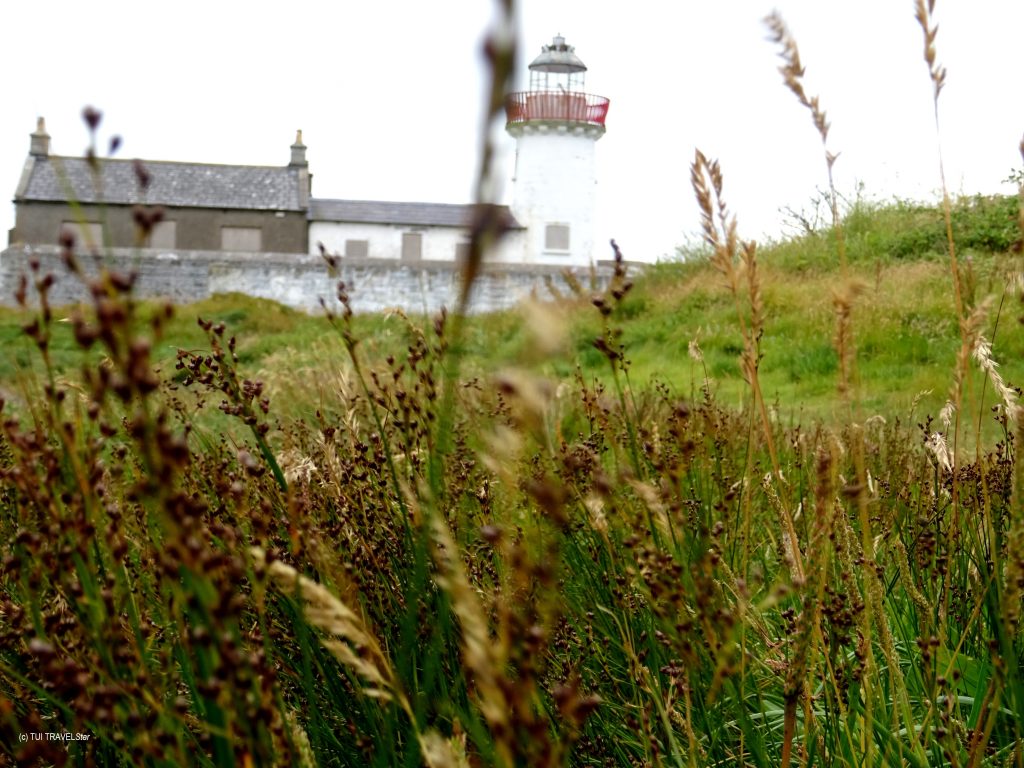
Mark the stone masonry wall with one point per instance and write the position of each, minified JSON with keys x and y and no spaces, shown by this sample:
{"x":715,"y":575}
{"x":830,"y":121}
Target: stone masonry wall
{"x":299,"y":280}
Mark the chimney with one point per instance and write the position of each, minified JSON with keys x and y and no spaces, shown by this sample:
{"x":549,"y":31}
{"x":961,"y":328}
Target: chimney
{"x":299,"y":163}
{"x":298,"y":152}
{"x":40,"y":146}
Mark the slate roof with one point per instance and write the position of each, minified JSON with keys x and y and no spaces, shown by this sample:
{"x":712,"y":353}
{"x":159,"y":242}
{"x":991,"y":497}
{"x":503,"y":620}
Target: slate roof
{"x":191,"y":185}
{"x":381,"y":212}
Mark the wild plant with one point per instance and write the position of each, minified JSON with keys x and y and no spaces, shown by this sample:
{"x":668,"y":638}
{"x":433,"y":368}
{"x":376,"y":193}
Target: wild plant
{"x":437,"y":568}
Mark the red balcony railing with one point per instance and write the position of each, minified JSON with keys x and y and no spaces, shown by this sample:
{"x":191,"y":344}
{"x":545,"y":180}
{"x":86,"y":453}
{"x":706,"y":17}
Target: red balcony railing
{"x":528,"y":106}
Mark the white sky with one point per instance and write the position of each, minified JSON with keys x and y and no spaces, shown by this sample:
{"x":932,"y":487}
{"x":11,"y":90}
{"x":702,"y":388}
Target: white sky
{"x":387,"y":94}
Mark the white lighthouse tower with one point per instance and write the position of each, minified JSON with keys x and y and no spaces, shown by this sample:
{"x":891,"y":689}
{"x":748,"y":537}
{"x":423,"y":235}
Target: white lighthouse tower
{"x":556,"y":125}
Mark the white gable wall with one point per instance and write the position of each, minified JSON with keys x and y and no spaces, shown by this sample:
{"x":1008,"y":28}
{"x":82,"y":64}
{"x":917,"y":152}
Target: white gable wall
{"x":384,"y":241}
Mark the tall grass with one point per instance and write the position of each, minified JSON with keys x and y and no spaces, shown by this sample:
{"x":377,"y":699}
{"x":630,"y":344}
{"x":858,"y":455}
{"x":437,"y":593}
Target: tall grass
{"x":448,"y":566}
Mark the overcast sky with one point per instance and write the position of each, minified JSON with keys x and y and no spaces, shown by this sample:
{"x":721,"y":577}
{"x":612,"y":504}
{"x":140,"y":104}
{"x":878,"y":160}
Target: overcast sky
{"x":387,"y":94}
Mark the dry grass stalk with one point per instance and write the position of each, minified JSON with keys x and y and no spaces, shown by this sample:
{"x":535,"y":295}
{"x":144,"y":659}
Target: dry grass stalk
{"x":982,"y":355}
{"x":655,"y":506}
{"x":303,"y":749}
{"x":923,"y":14}
{"x":697,"y":355}
{"x":482,"y":655}
{"x":718,"y":225}
{"x":792,"y":71}
{"x":808,"y":630}
{"x":355,"y":646}
{"x":849,"y":556}
{"x":488,"y":225}
{"x":970,"y":333}
{"x":941,"y":450}
{"x":1013,"y":576}
{"x":787,"y":546}
{"x":844,"y":547}
{"x":946,"y":414}
{"x":547,"y":328}
{"x":351,"y":641}
{"x":748,"y":259}
{"x":1020,"y":192}
{"x":937,"y":73}
{"x":439,"y":752}
{"x":720,"y":232}
{"x":844,"y":343}
{"x":875,"y":599}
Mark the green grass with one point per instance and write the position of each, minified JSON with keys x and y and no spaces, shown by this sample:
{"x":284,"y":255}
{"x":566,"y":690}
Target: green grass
{"x":906,"y":333}
{"x":341,"y":543}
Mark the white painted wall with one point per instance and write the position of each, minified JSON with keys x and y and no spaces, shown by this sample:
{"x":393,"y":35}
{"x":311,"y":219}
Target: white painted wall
{"x":385,"y":240}
{"x":555,"y":183}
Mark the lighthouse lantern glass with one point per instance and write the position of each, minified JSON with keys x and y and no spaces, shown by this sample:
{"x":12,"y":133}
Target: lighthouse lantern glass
{"x":561,"y":82}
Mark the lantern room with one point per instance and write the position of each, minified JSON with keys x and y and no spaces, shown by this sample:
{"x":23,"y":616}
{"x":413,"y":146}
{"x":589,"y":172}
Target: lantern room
{"x":556,"y":92}
{"x":558,"y":68}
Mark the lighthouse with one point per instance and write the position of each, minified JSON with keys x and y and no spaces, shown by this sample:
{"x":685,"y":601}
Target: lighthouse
{"x":556,"y":125}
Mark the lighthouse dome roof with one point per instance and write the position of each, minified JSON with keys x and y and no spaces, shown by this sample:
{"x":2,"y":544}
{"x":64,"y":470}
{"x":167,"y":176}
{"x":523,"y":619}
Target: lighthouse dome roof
{"x":558,"y":57}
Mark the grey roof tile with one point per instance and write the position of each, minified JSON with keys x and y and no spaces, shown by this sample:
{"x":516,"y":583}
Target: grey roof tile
{"x":383,"y":212}
{"x":195,"y":185}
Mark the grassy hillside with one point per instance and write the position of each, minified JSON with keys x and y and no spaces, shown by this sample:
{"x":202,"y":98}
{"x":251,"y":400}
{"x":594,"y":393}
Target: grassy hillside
{"x":904,"y":322}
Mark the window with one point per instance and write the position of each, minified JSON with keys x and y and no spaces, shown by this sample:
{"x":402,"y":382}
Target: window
{"x":412,"y":246}
{"x":357,"y":249}
{"x":556,"y":237}
{"x":88,"y":234}
{"x":164,"y":235}
{"x":247,"y":239}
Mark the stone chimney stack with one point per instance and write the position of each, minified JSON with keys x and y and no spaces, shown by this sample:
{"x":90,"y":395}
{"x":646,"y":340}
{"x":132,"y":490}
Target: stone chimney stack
{"x":40,"y":146}
{"x":298,"y":152}
{"x":302,"y":166}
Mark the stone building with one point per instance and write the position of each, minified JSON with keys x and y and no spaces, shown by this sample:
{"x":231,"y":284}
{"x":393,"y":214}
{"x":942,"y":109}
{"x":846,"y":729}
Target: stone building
{"x":206,"y":207}
{"x":258,"y":230}
{"x":407,"y":232}
{"x":252,"y":209}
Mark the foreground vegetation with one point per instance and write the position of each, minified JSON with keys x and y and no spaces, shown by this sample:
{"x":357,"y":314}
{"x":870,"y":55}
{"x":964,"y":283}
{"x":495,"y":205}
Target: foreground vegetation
{"x":357,"y":541}
{"x":501,"y":568}
{"x":907,"y":333}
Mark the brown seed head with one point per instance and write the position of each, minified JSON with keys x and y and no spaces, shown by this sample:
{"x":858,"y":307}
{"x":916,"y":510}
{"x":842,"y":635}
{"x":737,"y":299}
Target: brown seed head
{"x":92,"y":117}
